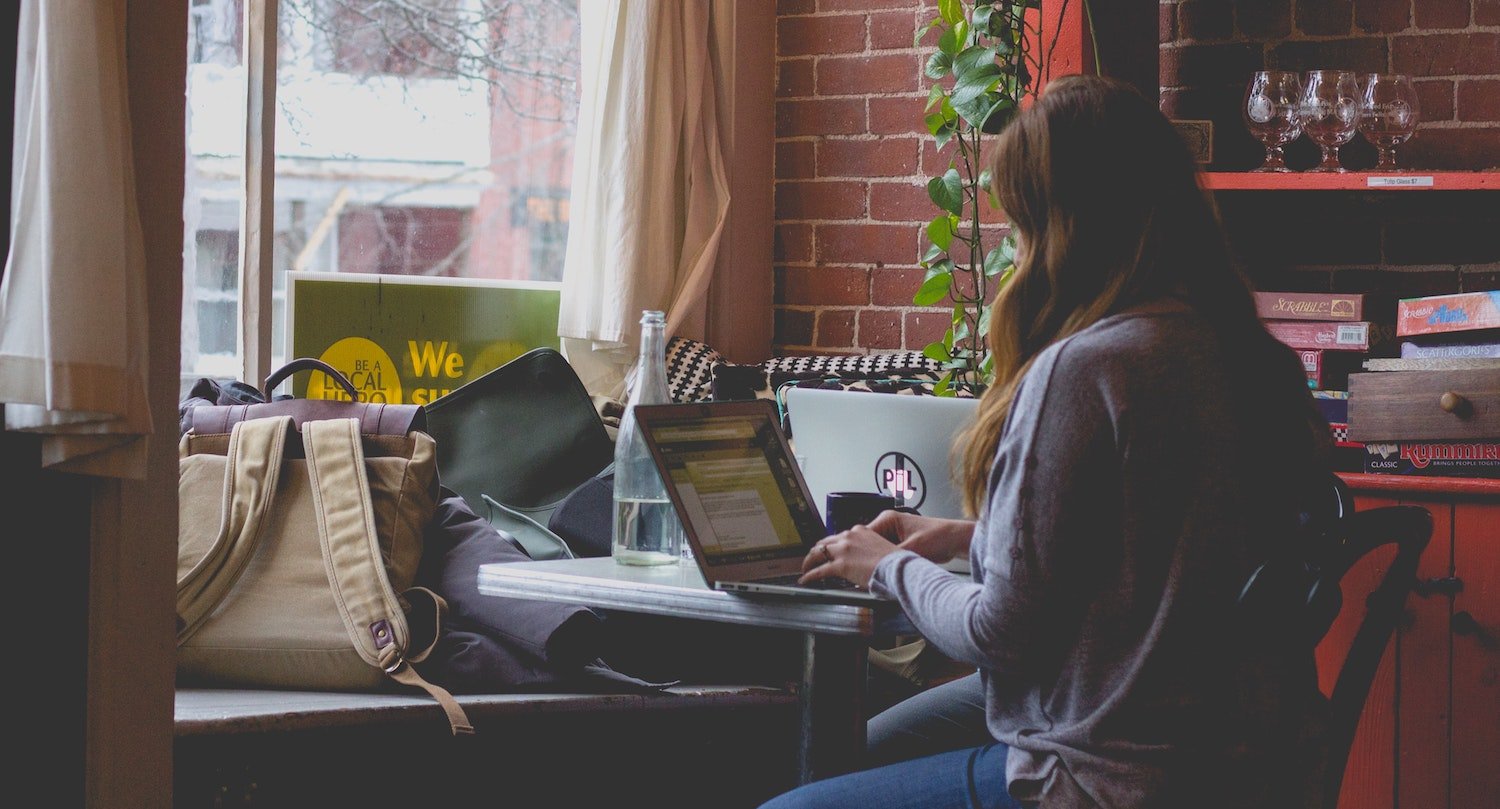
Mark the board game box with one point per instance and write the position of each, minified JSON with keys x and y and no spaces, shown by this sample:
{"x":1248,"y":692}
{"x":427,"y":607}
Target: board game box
{"x":1321,"y":306}
{"x":1333,"y":405}
{"x":1469,"y":459}
{"x":1441,"y":314}
{"x":1302,"y":334}
{"x":1450,"y":350}
{"x":1329,"y":370}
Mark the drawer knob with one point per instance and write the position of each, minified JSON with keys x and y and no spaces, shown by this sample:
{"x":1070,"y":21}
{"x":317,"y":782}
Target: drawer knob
{"x":1456,"y":404}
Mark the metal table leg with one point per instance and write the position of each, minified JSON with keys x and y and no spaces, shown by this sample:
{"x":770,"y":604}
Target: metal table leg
{"x":832,"y":739}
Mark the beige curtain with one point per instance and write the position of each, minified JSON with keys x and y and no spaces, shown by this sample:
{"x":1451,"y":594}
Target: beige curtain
{"x":649,"y":195}
{"x":73,"y":300}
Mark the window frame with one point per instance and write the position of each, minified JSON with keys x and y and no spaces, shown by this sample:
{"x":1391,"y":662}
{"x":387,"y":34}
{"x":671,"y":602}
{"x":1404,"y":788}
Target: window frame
{"x":739,"y":303}
{"x":258,"y":210}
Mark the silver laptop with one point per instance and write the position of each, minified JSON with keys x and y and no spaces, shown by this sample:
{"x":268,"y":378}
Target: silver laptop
{"x":743,"y":505}
{"x":857,"y":441}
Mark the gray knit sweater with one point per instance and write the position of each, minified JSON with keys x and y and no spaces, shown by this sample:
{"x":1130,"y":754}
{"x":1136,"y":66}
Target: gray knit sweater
{"x":1120,"y":526}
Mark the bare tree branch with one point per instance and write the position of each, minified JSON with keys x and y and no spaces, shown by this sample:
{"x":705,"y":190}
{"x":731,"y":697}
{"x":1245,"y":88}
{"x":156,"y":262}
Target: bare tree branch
{"x":524,"y":51}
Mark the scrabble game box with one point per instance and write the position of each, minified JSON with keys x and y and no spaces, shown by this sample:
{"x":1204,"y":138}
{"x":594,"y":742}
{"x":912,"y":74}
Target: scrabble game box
{"x":1322,"y":306}
{"x":1442,"y":314}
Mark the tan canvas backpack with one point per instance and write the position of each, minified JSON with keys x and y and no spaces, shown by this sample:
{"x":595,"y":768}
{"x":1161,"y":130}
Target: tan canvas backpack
{"x":297,"y":550}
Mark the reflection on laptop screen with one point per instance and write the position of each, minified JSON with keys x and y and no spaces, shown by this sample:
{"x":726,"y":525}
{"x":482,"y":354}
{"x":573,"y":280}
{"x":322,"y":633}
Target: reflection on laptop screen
{"x":737,"y":487}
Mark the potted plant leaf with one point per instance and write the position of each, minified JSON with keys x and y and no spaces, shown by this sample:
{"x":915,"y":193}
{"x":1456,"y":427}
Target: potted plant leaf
{"x":982,"y":69}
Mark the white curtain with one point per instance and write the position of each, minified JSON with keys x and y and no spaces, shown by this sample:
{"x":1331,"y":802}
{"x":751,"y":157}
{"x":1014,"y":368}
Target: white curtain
{"x":73,"y":300}
{"x":650,"y":194}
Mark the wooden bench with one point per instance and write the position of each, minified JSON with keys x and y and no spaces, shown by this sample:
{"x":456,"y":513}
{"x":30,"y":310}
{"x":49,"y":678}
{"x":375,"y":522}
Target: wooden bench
{"x":736,"y":744}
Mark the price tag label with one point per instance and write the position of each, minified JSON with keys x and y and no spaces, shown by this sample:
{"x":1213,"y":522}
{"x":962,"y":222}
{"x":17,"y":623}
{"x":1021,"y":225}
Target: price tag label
{"x":1351,"y":334}
{"x":1399,"y":182}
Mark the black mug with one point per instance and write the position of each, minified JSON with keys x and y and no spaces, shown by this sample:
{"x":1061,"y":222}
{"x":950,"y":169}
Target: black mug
{"x":844,"y":510}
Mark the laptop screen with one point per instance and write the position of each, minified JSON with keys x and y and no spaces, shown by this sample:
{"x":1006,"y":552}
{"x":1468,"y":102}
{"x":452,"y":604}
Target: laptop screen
{"x":737,"y":489}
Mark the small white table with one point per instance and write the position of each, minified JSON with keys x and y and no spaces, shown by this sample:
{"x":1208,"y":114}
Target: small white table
{"x":835,"y":636}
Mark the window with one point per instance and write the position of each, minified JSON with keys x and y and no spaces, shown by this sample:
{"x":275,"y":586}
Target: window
{"x":405,"y":241}
{"x":412,"y":137}
{"x":215,"y":31}
{"x":374,"y":37}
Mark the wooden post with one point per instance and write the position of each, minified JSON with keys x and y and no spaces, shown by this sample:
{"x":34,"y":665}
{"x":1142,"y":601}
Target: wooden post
{"x":257,"y":217}
{"x":1127,"y":40}
{"x":1066,"y":48}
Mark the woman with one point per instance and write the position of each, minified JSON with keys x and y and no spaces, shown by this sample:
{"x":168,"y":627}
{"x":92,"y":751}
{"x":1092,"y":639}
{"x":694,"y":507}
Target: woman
{"x":1142,"y":447}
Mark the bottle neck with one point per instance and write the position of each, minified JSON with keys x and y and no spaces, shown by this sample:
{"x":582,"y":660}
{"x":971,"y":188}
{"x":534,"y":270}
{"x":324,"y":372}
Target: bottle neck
{"x":650,"y":386}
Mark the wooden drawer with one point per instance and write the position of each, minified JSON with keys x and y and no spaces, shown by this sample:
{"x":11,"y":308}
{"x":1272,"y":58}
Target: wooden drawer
{"x":1424,"y":405}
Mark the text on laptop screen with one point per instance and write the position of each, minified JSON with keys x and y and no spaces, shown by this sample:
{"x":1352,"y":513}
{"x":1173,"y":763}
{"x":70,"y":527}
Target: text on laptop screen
{"x":737,"y":487}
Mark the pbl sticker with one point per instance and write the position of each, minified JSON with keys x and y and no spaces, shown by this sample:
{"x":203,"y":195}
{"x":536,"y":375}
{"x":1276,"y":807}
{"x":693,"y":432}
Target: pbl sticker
{"x":899,"y":476}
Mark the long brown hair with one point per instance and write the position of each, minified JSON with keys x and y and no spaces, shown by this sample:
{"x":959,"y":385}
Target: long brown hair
{"x":1103,"y":197}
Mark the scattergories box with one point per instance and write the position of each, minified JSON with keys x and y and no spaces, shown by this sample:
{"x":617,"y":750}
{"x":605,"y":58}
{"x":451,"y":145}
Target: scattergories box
{"x":1463,"y":459}
{"x":1440,"y":314}
{"x":1451,"y":349}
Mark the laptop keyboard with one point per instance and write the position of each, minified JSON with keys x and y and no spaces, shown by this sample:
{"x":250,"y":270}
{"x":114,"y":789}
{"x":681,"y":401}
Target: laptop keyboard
{"x":834,"y":583}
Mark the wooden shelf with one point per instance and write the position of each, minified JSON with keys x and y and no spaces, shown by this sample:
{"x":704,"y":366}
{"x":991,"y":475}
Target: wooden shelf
{"x":1408,"y":484}
{"x":1353,"y":181}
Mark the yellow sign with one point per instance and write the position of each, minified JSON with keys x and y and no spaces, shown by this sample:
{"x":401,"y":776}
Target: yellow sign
{"x":410,"y":340}
{"x":366,"y":365}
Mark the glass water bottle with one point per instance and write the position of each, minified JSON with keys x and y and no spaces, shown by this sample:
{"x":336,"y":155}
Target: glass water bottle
{"x":646,"y":529}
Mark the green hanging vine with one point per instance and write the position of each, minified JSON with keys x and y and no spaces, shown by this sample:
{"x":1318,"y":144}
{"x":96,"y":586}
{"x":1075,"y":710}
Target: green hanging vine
{"x":988,"y":54}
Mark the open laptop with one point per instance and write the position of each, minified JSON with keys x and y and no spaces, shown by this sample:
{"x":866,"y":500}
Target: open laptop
{"x":743,"y":504}
{"x":857,"y":441}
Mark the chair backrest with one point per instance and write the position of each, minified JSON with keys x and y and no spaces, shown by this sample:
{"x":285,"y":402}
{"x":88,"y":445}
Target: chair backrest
{"x":1409,"y":528}
{"x":1296,"y":597}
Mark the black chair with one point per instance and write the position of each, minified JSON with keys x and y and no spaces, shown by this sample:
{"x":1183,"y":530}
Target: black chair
{"x":1303,"y":596}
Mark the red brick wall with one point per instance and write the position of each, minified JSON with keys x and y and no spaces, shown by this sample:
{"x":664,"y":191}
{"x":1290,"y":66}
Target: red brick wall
{"x":852,"y":156}
{"x":851,"y":199}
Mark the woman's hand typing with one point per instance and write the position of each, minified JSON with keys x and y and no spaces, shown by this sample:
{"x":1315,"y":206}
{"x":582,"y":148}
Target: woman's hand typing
{"x":931,"y":538}
{"x":853,"y":554}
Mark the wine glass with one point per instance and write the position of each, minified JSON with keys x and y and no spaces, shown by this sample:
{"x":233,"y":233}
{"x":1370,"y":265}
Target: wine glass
{"x":1388,"y":115}
{"x":1330,"y":113}
{"x":1272,"y":109}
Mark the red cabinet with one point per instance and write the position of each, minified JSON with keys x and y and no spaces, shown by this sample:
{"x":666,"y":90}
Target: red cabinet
{"x":1430,"y":734}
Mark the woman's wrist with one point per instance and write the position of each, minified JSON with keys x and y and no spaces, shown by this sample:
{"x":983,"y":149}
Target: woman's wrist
{"x":885,"y":569}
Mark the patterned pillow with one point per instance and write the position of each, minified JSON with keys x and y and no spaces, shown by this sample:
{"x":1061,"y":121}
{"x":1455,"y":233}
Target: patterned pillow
{"x":763,"y":381}
{"x":690,"y":367}
{"x":907,"y":363}
{"x":909,"y":373}
{"x":735,"y":382}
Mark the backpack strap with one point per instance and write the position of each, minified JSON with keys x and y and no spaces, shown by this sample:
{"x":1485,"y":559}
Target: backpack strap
{"x":424,"y":618}
{"x":351,"y":557}
{"x":251,"y":475}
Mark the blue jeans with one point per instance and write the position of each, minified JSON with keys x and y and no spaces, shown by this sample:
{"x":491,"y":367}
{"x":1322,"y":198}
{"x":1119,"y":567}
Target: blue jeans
{"x":943,"y":718}
{"x":961,"y":779}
